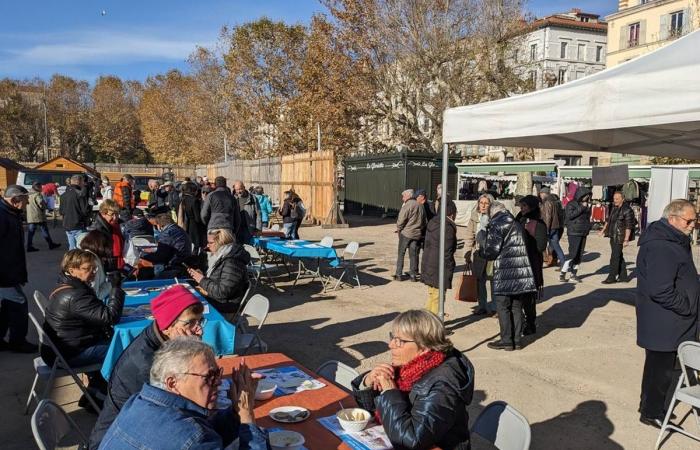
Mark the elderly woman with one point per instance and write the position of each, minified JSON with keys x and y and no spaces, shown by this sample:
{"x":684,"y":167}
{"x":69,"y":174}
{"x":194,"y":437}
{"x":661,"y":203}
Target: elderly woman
{"x":431,"y":256}
{"x":226,"y":280}
{"x":477,"y":221}
{"x":175,"y":411}
{"x":421,"y":398}
{"x":107,"y":222}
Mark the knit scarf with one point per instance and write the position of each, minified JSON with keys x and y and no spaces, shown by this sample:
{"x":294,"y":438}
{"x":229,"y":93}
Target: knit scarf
{"x":213,"y":258}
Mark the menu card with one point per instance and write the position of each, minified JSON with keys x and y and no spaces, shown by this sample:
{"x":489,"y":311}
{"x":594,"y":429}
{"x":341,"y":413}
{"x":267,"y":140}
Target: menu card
{"x":290,"y":379}
{"x":371,"y":438}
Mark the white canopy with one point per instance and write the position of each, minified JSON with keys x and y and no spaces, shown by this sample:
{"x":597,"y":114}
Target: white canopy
{"x":647,"y":106}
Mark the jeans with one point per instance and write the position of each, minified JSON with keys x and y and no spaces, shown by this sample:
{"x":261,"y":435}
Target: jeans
{"x":618,"y":268}
{"x":94,"y":354}
{"x":15,"y":318}
{"x":289,"y":230}
{"x":433,"y":303}
{"x":553,"y":239}
{"x":658,"y":383}
{"x":483,"y":295}
{"x":31,"y":228}
{"x":412,"y":246}
{"x":510,"y":320}
{"x":576,"y":246}
{"x":72,"y":238}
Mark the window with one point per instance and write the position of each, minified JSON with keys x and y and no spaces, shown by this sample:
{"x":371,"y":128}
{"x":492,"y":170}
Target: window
{"x":533,"y":52}
{"x":676,"y":23}
{"x":633,"y":35}
{"x":599,"y":53}
{"x":581,"y":55}
{"x":593,"y":161}
{"x":571,"y":160}
{"x":533,"y":77}
{"x":426,"y":124}
{"x":580,"y":74}
{"x":563,"y":50}
{"x":561,"y":78}
{"x":516,"y":55}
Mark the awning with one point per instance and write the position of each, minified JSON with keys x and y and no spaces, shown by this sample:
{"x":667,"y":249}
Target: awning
{"x":509,"y":167}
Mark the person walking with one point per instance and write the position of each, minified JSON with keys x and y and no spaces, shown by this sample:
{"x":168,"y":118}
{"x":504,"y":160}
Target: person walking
{"x":220,"y":208}
{"x":14,"y":309}
{"x":36,"y":218}
{"x":431,"y":256}
{"x":265,"y":206}
{"x":666,"y":304}
{"x":409,"y":226}
{"x":553,"y":217}
{"x":251,"y":219}
{"x":620,"y":229}
{"x":536,"y":243}
{"x":578,"y":225}
{"x":107,"y":190}
{"x":75,"y":210}
{"x":478,"y":220}
{"x":503,"y":242}
{"x":124,"y":196}
{"x":289,"y":214}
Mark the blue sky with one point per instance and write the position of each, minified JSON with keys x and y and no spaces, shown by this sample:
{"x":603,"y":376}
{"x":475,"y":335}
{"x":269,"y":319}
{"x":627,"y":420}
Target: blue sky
{"x":134,"y":39}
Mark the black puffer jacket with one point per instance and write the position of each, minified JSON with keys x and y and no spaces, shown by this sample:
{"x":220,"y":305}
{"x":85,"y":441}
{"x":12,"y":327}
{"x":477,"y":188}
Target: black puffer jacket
{"x":667,"y":289}
{"x":76,"y":319}
{"x":578,"y":217}
{"x":621,"y":219}
{"x":74,"y":208}
{"x":220,"y":210}
{"x":433,"y":413}
{"x":431,"y":253}
{"x":131,"y":371}
{"x":12,"y":258}
{"x":228,"y":281}
{"x":503,"y":241}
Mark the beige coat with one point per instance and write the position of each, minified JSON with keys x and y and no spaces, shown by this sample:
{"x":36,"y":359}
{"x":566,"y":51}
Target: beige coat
{"x":36,"y":208}
{"x":412,"y":220}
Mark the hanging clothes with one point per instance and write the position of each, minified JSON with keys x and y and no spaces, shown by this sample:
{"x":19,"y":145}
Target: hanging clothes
{"x":483,"y":186}
{"x":631,"y":191}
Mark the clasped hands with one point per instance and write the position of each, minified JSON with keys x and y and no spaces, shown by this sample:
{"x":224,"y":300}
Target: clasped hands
{"x":381,"y":378}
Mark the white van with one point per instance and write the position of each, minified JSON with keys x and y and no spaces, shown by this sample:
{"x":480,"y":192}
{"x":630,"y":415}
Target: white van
{"x":59,"y":177}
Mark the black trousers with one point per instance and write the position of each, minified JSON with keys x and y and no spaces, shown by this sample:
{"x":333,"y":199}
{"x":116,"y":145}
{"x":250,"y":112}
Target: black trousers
{"x":530,"y":309}
{"x":15,"y":318}
{"x":412,"y":246}
{"x":510,"y":317}
{"x":576,"y":246}
{"x":618,"y":267}
{"x":658,"y":383}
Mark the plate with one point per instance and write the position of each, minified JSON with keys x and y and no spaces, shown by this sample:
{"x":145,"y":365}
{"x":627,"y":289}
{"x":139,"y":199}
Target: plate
{"x":289,"y":414}
{"x":132,"y":291}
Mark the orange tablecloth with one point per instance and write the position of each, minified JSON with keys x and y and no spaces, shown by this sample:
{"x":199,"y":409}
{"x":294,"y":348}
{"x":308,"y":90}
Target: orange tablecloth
{"x":322,"y":402}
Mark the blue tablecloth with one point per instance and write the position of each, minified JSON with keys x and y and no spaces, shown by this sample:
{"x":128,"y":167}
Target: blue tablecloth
{"x":262,"y":241}
{"x":301,"y":249}
{"x":218,"y":332}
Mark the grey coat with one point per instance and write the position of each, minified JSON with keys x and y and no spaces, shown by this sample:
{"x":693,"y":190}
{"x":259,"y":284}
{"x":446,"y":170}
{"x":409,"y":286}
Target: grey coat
{"x":36,"y":208}
{"x":411,"y":221}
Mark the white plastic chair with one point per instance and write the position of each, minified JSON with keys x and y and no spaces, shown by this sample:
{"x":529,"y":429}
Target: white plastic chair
{"x":689,"y":358}
{"x":257,"y":266}
{"x":327,"y":241}
{"x":346,"y":262}
{"x":339,"y":373}
{"x":59,"y":368}
{"x":143,"y":241}
{"x":275,"y":227}
{"x":257,"y":307}
{"x":51,"y":424}
{"x":41,"y":301}
{"x":503,"y":426}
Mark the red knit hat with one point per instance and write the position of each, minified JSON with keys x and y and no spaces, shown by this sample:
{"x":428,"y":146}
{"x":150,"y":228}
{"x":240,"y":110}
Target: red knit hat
{"x":170,"y":304}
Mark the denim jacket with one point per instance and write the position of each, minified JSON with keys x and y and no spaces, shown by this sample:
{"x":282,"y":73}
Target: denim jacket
{"x":155,"y":419}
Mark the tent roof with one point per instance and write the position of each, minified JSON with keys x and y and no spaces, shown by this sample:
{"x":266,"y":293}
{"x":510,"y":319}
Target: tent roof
{"x":647,"y":106}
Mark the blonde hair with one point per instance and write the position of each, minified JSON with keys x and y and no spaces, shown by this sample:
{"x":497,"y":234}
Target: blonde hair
{"x":73,"y":259}
{"x":109,"y":205}
{"x":222,"y":236}
{"x":423,"y":327}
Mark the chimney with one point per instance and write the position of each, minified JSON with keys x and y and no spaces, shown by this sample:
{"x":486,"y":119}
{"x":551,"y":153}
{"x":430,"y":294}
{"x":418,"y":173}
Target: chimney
{"x":622,"y":4}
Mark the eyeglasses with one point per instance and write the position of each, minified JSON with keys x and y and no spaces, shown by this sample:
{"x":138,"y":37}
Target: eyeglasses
{"x":211,"y":377}
{"x":193,"y":322}
{"x":110,"y":213}
{"x":397,"y":340}
{"x":687,"y":221}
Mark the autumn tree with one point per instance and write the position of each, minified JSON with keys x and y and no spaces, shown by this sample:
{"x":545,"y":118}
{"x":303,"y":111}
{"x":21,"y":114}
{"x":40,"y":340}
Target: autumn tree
{"x":115,"y":129}
{"x":68,"y":103}
{"x":22,"y":129}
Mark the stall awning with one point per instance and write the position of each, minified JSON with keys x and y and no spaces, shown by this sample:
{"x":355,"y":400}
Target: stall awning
{"x":510,"y":167}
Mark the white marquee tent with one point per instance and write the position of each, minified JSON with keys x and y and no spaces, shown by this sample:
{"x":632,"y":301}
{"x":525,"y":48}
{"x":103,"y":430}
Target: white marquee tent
{"x":647,"y":106}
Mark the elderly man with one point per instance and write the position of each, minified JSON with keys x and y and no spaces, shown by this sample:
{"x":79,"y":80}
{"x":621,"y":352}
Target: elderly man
{"x":409,"y":226}
{"x":174,"y":245}
{"x":75,"y":210}
{"x":667,"y":304}
{"x":251,"y":218}
{"x":220,"y":208}
{"x":13,"y":303}
{"x":176,"y":312}
{"x":174,"y":411}
{"x":153,"y":198}
{"x":620,"y":229}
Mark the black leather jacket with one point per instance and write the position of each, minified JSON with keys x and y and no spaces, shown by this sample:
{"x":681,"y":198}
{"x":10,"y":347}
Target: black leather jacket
{"x":621,"y":219}
{"x":77,"y":319}
{"x":433,"y":413}
{"x":503,"y":242}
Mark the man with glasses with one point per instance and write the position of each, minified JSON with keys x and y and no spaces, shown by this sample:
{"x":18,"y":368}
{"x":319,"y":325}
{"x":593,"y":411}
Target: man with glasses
{"x":176,"y":312}
{"x":174,"y":410}
{"x":667,"y":304}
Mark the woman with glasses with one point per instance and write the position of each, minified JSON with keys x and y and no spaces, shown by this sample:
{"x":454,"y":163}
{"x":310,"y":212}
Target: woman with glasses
{"x":107,"y":222}
{"x":79,"y":323}
{"x":176,"y":312}
{"x":421,"y":397}
{"x":176,"y":409}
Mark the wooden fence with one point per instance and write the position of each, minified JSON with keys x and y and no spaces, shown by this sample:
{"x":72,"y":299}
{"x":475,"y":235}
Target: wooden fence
{"x":264,"y":172}
{"x":312,"y":176}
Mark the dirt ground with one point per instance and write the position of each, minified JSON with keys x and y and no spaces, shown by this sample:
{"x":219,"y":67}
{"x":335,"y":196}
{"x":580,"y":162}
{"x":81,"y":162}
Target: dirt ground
{"x":576,"y":381}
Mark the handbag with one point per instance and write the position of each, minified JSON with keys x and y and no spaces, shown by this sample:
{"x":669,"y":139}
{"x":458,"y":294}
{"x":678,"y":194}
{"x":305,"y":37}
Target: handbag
{"x":467,"y":290}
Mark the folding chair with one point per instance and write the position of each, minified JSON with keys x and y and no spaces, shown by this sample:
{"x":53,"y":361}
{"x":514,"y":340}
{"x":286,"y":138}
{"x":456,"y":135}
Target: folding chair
{"x":51,"y":424}
{"x":689,"y":358}
{"x":41,"y":301}
{"x":257,"y":266}
{"x":339,"y":373}
{"x":257,"y":307}
{"x":244,"y":300}
{"x":327,"y":241}
{"x":503,"y":426}
{"x":59,"y":368}
{"x":346,"y":262}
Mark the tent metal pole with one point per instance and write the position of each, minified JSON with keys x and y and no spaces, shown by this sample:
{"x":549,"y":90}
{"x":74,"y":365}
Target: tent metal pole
{"x":443,"y":225}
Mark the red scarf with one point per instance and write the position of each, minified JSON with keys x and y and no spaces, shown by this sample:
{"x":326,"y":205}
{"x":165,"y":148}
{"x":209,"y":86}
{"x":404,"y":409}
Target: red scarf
{"x":410,"y":373}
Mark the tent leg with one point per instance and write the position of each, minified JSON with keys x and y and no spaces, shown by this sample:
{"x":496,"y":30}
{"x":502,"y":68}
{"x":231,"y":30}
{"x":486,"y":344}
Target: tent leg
{"x":443,"y":224}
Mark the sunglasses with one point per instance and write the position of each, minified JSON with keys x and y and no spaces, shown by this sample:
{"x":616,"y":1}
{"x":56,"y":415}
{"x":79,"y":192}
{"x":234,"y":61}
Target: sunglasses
{"x":210,"y":378}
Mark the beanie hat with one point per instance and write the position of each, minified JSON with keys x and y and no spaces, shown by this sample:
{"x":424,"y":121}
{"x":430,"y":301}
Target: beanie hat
{"x":170,"y":304}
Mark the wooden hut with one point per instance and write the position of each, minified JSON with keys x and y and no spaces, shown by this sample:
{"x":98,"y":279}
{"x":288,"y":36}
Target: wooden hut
{"x":8,"y":172}
{"x":63,"y":164}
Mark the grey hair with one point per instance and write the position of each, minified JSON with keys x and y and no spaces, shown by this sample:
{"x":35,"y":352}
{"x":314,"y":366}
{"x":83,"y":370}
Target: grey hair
{"x":409,"y":192}
{"x":487,"y":196}
{"x":425,"y":328}
{"x":496,"y":207}
{"x":676,"y":207}
{"x":174,"y":358}
{"x":76,"y":178}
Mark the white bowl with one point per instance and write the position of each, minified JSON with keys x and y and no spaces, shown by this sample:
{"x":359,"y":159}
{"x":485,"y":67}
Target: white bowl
{"x":353,"y":419}
{"x":265,"y":390}
{"x":286,"y":440}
